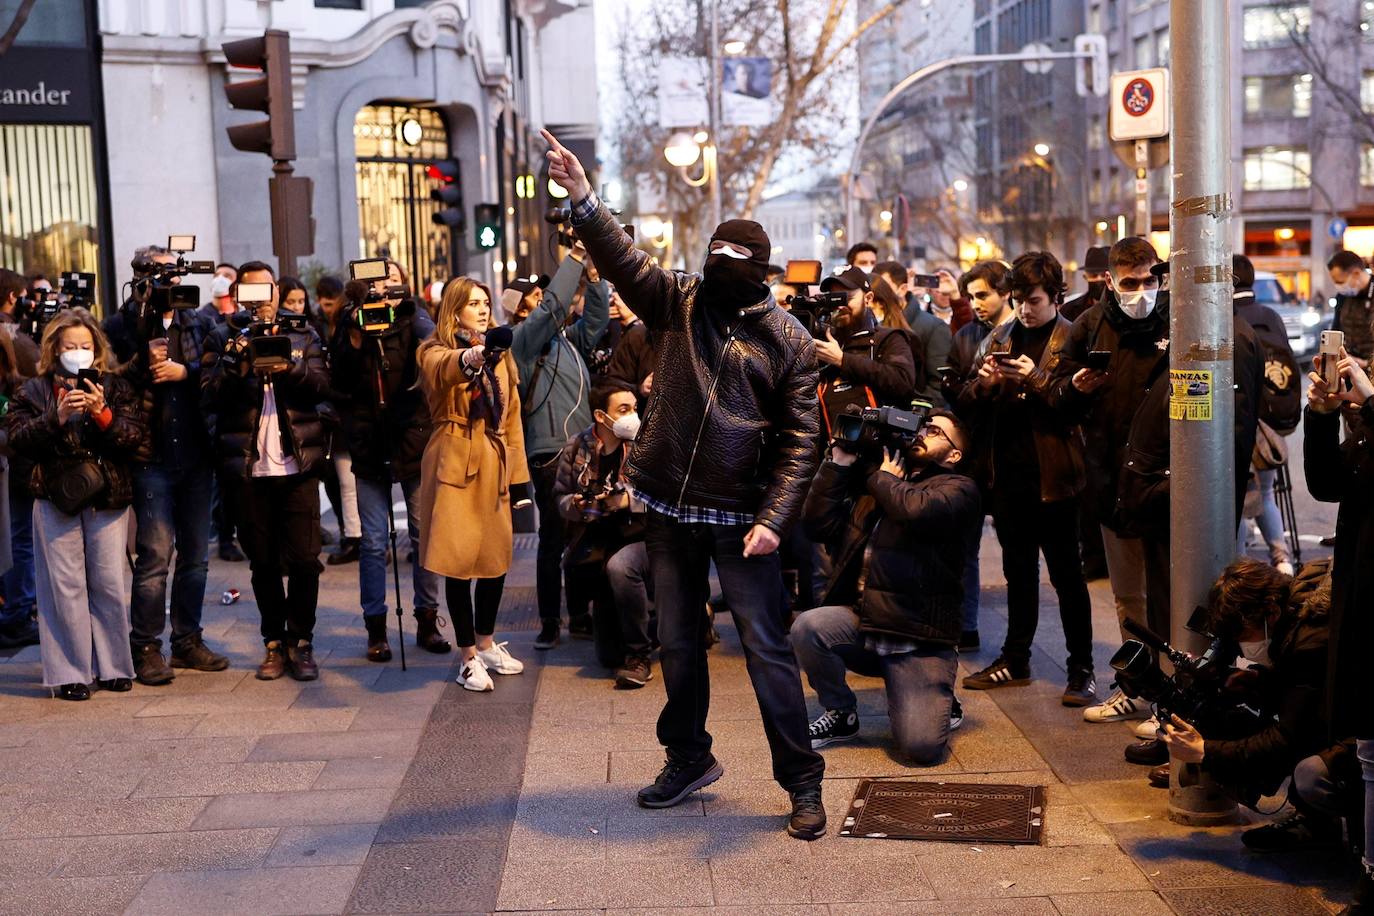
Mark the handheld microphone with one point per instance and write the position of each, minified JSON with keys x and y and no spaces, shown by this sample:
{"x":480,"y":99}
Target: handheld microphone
{"x":497,"y":343}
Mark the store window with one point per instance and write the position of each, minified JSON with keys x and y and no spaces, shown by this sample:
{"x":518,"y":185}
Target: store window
{"x":48,"y":199}
{"x":51,"y":23}
{"x":1367,"y":166}
{"x":394,"y":145}
{"x":1273,"y":26}
{"x":1278,"y":96}
{"x":1278,"y":168}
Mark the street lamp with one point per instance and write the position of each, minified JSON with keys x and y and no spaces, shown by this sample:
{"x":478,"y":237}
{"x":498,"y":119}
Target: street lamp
{"x":1042,"y":149}
{"x":682,"y":150}
{"x":734,"y":46}
{"x":960,"y":185}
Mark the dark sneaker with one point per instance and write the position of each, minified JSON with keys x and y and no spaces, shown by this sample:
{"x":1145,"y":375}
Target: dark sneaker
{"x":300,"y":661}
{"x":347,"y":552}
{"x":678,"y":780}
{"x":274,"y":662}
{"x":635,"y":673}
{"x":1149,"y":753}
{"x":74,"y":692}
{"x":116,"y":685}
{"x":956,"y":714}
{"x":198,"y":657}
{"x":150,"y":667}
{"x":808,"y":815}
{"x":580,"y":627}
{"x":23,"y":632}
{"x":834,"y":725}
{"x":968,"y":641}
{"x":1001,"y":673}
{"x":1081,"y":689}
{"x":548,"y":635}
{"x":1296,"y":831}
{"x":230,"y":553}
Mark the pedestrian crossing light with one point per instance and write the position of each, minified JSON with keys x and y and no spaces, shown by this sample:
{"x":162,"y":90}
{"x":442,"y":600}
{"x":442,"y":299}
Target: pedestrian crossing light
{"x":487,"y":222}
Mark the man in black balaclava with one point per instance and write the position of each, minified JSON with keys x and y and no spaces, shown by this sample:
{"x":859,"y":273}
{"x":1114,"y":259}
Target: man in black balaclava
{"x":723,"y":461}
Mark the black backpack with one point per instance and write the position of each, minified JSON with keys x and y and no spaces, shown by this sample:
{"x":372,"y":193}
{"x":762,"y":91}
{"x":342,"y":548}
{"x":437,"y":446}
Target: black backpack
{"x":1281,"y":395}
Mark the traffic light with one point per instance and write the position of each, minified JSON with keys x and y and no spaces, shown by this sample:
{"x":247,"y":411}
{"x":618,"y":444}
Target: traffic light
{"x":270,"y":93}
{"x":449,"y":193}
{"x":486,"y":220}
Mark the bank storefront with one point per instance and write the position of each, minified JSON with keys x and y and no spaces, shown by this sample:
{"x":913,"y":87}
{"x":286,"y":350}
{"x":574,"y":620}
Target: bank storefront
{"x":54,"y":197}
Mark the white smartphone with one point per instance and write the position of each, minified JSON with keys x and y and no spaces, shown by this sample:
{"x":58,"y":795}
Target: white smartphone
{"x":1330,"y":352}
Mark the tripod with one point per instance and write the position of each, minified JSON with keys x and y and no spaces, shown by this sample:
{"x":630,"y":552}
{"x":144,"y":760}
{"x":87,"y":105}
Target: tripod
{"x":384,"y":422}
{"x":1283,"y":495}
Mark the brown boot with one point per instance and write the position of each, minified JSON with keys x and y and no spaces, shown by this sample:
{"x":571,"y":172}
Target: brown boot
{"x":378,"y":649}
{"x":274,"y":664}
{"x":301,"y":661}
{"x":427,"y":623}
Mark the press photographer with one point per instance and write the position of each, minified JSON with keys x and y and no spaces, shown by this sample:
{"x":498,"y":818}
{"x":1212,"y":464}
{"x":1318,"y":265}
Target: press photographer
{"x":158,"y":347}
{"x":13,"y":291}
{"x":889,"y":503}
{"x":263,"y":381}
{"x":386,"y":426}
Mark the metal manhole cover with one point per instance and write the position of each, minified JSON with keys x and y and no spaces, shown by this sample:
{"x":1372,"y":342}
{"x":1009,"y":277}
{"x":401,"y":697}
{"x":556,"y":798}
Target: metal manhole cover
{"x":946,"y":811}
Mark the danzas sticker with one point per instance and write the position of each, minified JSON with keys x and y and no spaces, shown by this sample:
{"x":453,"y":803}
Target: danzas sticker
{"x":1190,"y":394}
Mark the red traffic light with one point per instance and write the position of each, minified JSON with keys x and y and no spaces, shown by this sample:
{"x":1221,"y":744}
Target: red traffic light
{"x":271,"y":94}
{"x":445,"y":170}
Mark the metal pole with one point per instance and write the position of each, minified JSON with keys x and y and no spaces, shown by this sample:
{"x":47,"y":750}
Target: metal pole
{"x":711,"y":162}
{"x":1202,"y":530}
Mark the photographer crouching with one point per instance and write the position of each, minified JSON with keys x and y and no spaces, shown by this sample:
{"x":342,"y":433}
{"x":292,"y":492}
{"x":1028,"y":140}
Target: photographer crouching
{"x":262,"y":385}
{"x":386,"y":425}
{"x":894,"y":603}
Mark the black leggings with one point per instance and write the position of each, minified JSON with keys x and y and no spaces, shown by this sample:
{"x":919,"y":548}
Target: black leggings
{"x":458,"y":594}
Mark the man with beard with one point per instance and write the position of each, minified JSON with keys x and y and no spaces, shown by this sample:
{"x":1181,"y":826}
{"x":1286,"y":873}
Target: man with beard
{"x":723,"y":463}
{"x":862,"y":363}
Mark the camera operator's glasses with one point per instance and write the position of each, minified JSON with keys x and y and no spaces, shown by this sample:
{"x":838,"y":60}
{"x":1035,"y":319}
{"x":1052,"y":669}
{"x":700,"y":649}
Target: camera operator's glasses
{"x":930,"y":429}
{"x":1136,"y":284}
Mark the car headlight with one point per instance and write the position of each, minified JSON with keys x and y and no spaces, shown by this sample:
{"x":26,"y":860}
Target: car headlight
{"x":1311,"y":319}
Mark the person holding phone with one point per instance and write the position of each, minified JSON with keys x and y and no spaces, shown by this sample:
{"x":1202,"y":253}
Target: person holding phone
{"x":80,"y":425}
{"x":473,"y":462}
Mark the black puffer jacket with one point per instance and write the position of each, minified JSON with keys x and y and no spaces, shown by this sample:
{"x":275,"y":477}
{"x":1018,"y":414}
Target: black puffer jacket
{"x":732,"y":420}
{"x":399,"y":433}
{"x":915,"y":584}
{"x":232,"y":400}
{"x":176,"y":432}
{"x":875,"y":358}
{"x":35,"y":434}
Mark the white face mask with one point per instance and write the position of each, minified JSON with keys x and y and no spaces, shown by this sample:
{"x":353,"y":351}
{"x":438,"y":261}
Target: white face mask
{"x":166,"y":323}
{"x":626,"y":427}
{"x":867,"y":270}
{"x":1347,"y":289}
{"x":76,"y":360}
{"x":1256,"y":651}
{"x":1139,"y":303}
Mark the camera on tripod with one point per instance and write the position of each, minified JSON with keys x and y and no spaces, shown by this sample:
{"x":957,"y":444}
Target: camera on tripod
{"x":871,"y":430}
{"x":816,"y":310}
{"x":372,"y":317}
{"x":1195,"y":690}
{"x":155,"y":284}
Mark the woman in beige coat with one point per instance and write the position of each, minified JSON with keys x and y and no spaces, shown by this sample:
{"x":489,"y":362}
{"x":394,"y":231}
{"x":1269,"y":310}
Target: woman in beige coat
{"x":477,"y":452}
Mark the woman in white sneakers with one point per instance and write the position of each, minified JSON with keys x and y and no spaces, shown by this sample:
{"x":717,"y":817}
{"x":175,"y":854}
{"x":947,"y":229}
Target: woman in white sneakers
{"x":474,"y":459}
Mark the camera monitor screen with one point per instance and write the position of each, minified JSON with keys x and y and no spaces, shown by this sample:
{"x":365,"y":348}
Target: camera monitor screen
{"x":253,"y":292}
{"x":370,"y":269}
{"x":802,"y":273}
{"x":181,"y":243}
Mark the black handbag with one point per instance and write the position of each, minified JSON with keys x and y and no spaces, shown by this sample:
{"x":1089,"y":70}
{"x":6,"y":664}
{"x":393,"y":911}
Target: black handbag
{"x":77,"y":485}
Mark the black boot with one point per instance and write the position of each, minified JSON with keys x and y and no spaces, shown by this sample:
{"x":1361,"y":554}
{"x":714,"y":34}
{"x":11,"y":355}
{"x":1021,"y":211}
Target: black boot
{"x":378,"y":649}
{"x":427,"y":631}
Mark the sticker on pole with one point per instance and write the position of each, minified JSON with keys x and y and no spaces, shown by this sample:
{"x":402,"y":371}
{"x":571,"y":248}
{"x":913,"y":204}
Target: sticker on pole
{"x":1190,"y":394}
{"x":1140,"y":104}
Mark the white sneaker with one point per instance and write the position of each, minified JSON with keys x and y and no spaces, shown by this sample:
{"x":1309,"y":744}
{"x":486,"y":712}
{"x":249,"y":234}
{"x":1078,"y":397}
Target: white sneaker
{"x":499,"y":660}
{"x":1146,"y":730}
{"x":1284,"y":567}
{"x":473,"y":675}
{"x":1116,"y":708}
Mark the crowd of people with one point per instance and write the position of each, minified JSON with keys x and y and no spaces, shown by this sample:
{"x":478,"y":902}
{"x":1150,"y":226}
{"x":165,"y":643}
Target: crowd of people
{"x":664,"y":423}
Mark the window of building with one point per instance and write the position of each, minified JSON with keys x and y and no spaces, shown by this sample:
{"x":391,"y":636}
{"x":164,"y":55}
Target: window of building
{"x":1272,"y":26}
{"x":1367,"y":19}
{"x":1367,"y":166}
{"x":48,"y":202}
{"x":341,"y":4}
{"x":1278,"y":96}
{"x":1095,"y":19}
{"x":1144,"y":52}
{"x":56,"y":23}
{"x":1278,"y":168}
{"x":1097,"y":133}
{"x":394,"y":144}
{"x":1163,"y":47}
{"x":1367,"y":90}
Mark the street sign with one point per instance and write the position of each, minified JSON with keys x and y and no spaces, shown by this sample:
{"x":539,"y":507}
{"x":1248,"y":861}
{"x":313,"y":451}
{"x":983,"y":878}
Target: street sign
{"x":1140,"y":104}
{"x":1336,"y":228}
{"x":1037,"y":66}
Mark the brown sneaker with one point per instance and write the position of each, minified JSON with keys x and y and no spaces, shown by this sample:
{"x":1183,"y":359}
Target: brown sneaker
{"x":301,"y":662}
{"x":273,"y":664}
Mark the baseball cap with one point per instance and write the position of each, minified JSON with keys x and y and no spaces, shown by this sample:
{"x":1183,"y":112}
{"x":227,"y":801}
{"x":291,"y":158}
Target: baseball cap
{"x":851,"y":279}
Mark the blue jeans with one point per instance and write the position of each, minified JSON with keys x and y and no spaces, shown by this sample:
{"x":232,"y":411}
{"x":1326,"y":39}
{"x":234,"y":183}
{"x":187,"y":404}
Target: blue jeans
{"x":920,"y":684}
{"x":172,"y":506}
{"x":679,"y":561}
{"x":1269,"y":520}
{"x":373,"y":499}
{"x":21,"y":599}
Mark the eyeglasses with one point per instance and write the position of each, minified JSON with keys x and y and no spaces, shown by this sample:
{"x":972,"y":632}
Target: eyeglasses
{"x":930,"y":429}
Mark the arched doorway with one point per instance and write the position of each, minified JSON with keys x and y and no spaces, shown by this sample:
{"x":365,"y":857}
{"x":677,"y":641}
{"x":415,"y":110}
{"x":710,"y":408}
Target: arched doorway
{"x":393,"y":144}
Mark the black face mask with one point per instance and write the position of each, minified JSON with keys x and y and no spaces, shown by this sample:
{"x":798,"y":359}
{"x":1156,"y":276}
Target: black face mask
{"x":733,"y":282}
{"x":1095,"y":289}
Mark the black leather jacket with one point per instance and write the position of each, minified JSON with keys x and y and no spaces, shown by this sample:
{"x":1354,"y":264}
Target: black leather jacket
{"x":732,"y":420}
{"x":232,"y":398}
{"x":915,"y":584}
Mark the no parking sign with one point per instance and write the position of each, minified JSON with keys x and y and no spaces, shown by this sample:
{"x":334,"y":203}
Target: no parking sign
{"x":1140,"y":104}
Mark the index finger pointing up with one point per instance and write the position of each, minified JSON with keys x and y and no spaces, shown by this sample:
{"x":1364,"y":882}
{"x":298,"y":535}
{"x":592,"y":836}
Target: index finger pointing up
{"x":552,"y":141}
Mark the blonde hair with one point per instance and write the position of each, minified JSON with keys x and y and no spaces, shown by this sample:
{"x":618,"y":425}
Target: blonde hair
{"x":52,"y":336}
{"x":457,"y":292}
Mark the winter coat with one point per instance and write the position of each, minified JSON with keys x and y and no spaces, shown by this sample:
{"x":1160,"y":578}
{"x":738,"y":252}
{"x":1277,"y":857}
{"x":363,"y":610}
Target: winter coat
{"x":1343,"y":472}
{"x":35,"y":433}
{"x":915,"y":585}
{"x":1354,"y":317}
{"x":477,"y":451}
{"x":930,"y":342}
{"x":1281,"y":396}
{"x":25,"y":348}
{"x":232,"y":399}
{"x":732,"y":421}
{"x":372,"y":435}
{"x":875,"y":358}
{"x":1058,"y":445}
{"x":555,"y":383}
{"x":578,"y":467}
{"x":633,"y":361}
{"x":963,"y":359}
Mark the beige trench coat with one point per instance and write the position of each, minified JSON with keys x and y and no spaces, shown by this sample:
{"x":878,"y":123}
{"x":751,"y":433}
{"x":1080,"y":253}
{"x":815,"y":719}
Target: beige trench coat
{"x":467,"y":470}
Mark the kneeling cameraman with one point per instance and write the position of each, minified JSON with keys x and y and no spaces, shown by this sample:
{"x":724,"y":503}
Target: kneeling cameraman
{"x":1281,"y":630}
{"x":893,"y":606}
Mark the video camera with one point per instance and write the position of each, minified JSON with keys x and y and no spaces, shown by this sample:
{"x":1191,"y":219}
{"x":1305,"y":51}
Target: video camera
{"x":153,"y":284}
{"x":873,"y":429}
{"x":1195,"y":690}
{"x":565,"y":234}
{"x":371,"y":317}
{"x":268,"y":344}
{"x":814,"y":310}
